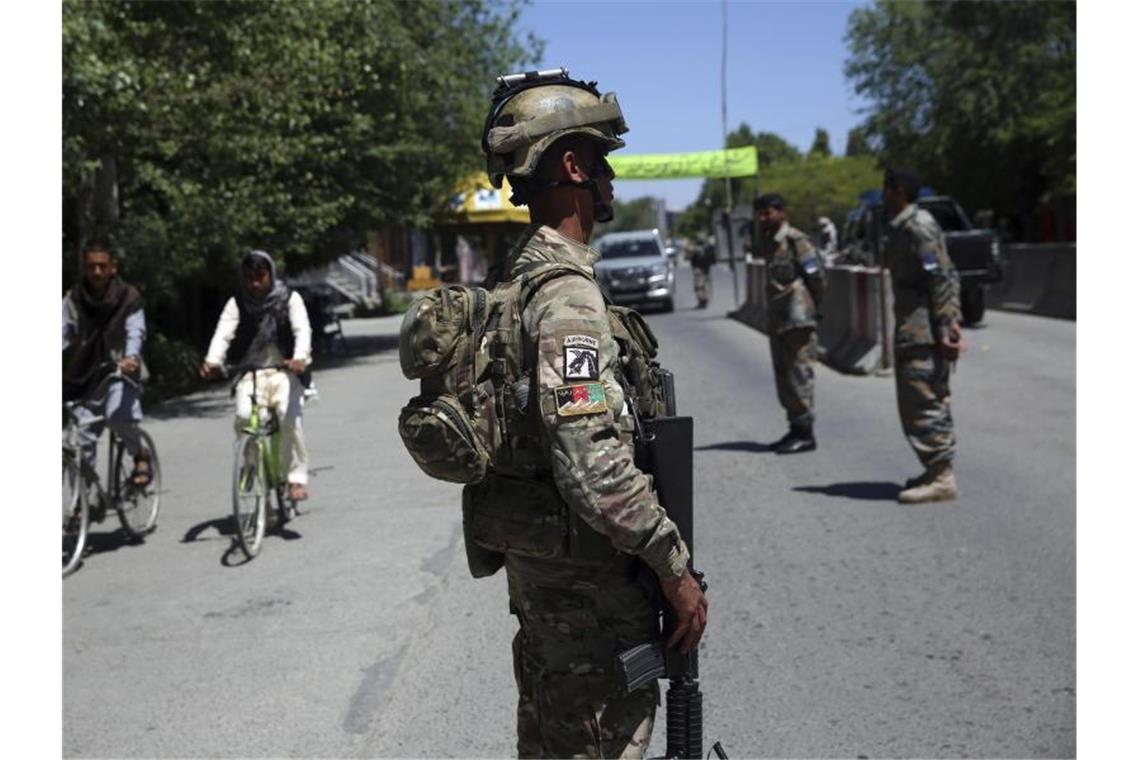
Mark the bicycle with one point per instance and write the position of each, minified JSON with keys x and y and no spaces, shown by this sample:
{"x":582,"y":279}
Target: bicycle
{"x":257,"y":469}
{"x":136,"y":504}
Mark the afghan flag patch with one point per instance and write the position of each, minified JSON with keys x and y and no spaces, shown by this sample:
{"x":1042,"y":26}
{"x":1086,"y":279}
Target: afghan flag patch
{"x":573,"y":400}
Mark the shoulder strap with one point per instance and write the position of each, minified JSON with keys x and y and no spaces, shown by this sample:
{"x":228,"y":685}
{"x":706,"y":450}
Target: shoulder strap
{"x":533,"y":278}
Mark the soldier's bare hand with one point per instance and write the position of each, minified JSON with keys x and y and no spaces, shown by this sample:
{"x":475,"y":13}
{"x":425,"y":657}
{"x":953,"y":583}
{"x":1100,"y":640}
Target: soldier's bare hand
{"x":691,"y":607}
{"x":296,"y":366}
{"x":207,"y":370}
{"x":953,"y":345}
{"x":129,"y":365}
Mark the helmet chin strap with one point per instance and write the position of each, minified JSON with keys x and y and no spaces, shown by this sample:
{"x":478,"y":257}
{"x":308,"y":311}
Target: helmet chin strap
{"x":603,"y":212}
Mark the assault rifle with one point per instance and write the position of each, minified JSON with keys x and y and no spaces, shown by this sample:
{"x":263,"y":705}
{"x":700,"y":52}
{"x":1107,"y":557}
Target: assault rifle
{"x":664,"y":449}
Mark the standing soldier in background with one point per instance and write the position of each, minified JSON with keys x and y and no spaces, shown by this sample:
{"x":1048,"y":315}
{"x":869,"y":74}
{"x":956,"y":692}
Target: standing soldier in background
{"x":795,"y":290}
{"x":927,"y":337}
{"x":703,"y":259}
{"x":574,"y":516}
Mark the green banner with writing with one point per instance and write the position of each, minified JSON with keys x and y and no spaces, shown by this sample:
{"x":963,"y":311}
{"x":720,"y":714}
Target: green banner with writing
{"x":734,"y":162}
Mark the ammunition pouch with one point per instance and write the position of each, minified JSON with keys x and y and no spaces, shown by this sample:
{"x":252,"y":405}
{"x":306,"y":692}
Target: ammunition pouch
{"x":638,"y":349}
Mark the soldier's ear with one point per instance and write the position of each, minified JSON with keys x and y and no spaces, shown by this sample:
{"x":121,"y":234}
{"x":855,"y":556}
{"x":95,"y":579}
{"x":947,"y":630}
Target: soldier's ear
{"x":570,"y":165}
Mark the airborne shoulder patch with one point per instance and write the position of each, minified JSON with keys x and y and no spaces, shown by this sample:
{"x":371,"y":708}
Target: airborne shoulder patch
{"x":574,"y":400}
{"x":579,"y":357}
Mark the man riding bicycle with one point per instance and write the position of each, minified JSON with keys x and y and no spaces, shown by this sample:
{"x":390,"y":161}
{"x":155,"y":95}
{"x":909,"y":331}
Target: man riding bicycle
{"x":103,"y":326}
{"x":262,"y":325}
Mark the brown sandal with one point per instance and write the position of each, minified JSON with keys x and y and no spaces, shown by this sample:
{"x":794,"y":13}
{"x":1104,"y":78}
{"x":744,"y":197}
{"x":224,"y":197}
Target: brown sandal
{"x":140,"y":478}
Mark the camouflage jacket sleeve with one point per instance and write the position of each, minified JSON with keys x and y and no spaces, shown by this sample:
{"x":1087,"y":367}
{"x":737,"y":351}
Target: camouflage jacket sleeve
{"x":809,"y":266}
{"x":583,"y":415}
{"x":937,"y":269}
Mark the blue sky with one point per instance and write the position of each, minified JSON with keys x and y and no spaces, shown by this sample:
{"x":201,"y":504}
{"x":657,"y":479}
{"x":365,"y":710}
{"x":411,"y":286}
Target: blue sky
{"x":785,"y":72}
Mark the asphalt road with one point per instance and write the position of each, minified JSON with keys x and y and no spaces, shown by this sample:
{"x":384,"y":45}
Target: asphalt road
{"x":842,"y":624}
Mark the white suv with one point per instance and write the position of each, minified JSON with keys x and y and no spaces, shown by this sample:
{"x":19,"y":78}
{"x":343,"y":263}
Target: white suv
{"x":634,"y":269}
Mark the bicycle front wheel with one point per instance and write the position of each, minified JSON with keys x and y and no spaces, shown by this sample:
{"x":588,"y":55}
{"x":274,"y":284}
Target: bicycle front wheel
{"x":137,"y":503}
{"x":75,"y":517}
{"x":250,"y":494}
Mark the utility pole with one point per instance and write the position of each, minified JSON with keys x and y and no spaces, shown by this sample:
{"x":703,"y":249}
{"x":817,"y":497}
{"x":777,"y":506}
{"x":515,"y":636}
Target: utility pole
{"x":724,"y":143}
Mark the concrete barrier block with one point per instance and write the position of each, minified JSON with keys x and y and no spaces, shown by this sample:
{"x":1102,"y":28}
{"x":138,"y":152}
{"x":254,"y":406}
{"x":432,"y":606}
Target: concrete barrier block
{"x":855,"y":310}
{"x":1039,"y":279}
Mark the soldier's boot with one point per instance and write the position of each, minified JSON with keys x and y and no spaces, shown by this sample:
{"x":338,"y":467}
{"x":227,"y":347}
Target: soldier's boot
{"x":798,"y":440}
{"x":940,"y":485}
{"x":917,"y":480}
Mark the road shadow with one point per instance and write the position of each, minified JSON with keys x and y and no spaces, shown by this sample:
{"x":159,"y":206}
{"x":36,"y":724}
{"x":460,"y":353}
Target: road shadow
{"x":354,"y":348}
{"x":860,"y":490}
{"x":104,"y":542}
{"x":201,"y":402}
{"x":752,"y":446}
{"x":206,"y":405}
{"x":223,"y":526}
{"x":233,"y":556}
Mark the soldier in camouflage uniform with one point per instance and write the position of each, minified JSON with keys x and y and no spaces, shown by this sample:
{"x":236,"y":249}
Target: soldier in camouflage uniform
{"x":927,"y":335}
{"x":574,"y":591}
{"x":795,"y":290}
{"x":702,"y":260}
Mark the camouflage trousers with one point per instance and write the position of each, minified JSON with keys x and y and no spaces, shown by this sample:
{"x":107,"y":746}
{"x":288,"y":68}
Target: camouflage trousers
{"x":571,"y":703}
{"x":922,"y":381}
{"x":793,"y":357}
{"x":702,"y":284}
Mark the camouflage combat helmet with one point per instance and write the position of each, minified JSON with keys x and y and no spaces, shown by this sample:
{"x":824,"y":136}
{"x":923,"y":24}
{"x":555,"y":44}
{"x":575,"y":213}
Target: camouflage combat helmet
{"x":530,"y":111}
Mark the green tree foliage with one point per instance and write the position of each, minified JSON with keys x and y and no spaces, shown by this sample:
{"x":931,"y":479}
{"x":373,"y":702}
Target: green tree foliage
{"x":978,"y":97}
{"x":821,"y":146}
{"x":821,"y":185}
{"x":637,"y":214}
{"x":771,"y":149}
{"x":857,"y":144}
{"x":294,"y":127}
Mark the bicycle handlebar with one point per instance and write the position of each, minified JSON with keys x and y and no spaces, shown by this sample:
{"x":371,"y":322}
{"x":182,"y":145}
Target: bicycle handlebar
{"x":235,"y":372}
{"x":69,"y":406}
{"x":238,"y":370}
{"x":117,"y":374}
